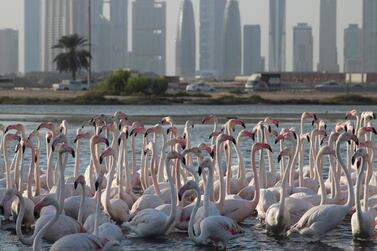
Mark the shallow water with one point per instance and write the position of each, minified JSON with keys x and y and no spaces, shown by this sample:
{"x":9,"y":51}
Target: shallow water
{"x":254,"y":237}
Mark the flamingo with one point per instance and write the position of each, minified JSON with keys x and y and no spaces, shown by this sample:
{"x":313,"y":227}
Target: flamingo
{"x":116,"y":208}
{"x":216,"y":228}
{"x":362,"y":221}
{"x":81,"y":241}
{"x":151,"y":222}
{"x":318,"y":220}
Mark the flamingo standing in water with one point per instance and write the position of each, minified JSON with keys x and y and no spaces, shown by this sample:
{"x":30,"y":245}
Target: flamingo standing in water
{"x":318,"y":220}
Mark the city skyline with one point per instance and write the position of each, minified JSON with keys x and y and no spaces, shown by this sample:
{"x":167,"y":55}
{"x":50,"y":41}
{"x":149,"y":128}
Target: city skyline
{"x":252,"y":12}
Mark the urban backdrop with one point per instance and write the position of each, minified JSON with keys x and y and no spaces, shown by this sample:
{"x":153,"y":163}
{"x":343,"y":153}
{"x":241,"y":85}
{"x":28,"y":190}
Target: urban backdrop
{"x":252,"y":12}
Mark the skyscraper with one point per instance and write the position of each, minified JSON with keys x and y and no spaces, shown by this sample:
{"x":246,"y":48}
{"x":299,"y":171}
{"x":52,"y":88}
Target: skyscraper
{"x":277,"y":35}
{"x":185,"y":43}
{"x":8,"y":51}
{"x":32,"y":35}
{"x":55,"y":24}
{"x":119,"y":33}
{"x":328,"y":56}
{"x":211,"y":27}
{"x":370,"y":35}
{"x":149,"y":36}
{"x":252,"y":60}
{"x":302,"y":48}
{"x":232,"y":40}
{"x":353,"y":48}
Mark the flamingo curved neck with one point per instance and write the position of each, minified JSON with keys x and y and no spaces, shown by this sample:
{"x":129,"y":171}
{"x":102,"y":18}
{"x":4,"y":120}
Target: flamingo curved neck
{"x":25,"y":240}
{"x":81,"y":207}
{"x":256,"y":178}
{"x":348,"y":176}
{"x":357,"y":196}
{"x":221,"y":177}
{"x":173,"y":192}
{"x":197,"y":239}
{"x":41,"y":233}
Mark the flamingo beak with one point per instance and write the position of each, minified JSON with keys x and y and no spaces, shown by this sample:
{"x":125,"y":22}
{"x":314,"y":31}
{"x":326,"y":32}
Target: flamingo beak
{"x":353,"y":160}
{"x":75,"y":185}
{"x":96,"y":185}
{"x":100,"y":160}
{"x":279,"y":158}
{"x":308,"y":138}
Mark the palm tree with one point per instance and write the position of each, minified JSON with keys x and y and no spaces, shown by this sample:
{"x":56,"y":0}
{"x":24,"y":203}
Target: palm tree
{"x":74,"y":57}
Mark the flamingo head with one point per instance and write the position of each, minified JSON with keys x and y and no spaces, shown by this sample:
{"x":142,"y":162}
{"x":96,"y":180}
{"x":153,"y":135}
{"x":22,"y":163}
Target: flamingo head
{"x":11,"y":136}
{"x":369,"y":129}
{"x":33,"y":134}
{"x":82,"y":135}
{"x":208,"y":118}
{"x":155,"y":129}
{"x":166,"y":119}
{"x":360,"y":153}
{"x":233,"y":122}
{"x":310,"y":115}
{"x":172,"y":130}
{"x":46,"y":201}
{"x":194,"y":150}
{"x":79,"y":180}
{"x":286,"y":135}
{"x":189,"y":123}
{"x":48,"y":137}
{"x":271,"y":121}
{"x":346,"y":136}
{"x":368,"y":144}
{"x":8,"y":196}
{"x":108,"y":127}
{"x":246,"y":133}
{"x":352,"y":113}
{"x":214,"y":135}
{"x":61,"y":138}
{"x":96,"y":139}
{"x":285,"y":152}
{"x":18,"y":127}
{"x":47,"y":125}
{"x":206,"y":163}
{"x":122,"y":136}
{"x":64,"y":148}
{"x":107,"y":152}
{"x":225,"y":137}
{"x":124,"y":122}
{"x":120,"y":115}
{"x":63,"y":124}
{"x":99,"y":181}
{"x":175,"y":155}
{"x":179,"y":140}
{"x":137,"y":130}
{"x":190,"y":185}
{"x":259,"y":146}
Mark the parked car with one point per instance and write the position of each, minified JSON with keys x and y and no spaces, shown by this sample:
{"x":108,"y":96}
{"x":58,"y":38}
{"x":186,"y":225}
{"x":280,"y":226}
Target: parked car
{"x":330,"y":86}
{"x":70,"y":85}
{"x":199,"y":87}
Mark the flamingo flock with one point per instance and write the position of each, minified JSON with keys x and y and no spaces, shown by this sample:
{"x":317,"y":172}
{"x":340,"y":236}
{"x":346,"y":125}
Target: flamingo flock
{"x":151,"y":181}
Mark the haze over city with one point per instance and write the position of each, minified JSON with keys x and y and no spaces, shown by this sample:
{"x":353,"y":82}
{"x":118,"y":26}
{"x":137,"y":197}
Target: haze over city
{"x":252,"y":12}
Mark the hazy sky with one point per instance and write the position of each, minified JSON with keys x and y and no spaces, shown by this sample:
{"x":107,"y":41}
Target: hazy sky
{"x":252,"y":12}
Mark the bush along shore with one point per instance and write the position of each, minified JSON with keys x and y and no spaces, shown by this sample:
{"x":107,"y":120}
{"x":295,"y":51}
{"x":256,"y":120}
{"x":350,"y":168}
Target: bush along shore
{"x":125,"y":87}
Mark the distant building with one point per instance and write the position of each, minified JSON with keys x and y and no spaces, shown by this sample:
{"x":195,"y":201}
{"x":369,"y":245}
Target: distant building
{"x":185,"y":44}
{"x":232,"y":41}
{"x":328,"y":56}
{"x":119,"y":33}
{"x":8,"y":51}
{"x":211,"y":26}
{"x":252,"y":59}
{"x":277,"y":35}
{"x":353,"y":49}
{"x":149,"y":36}
{"x":302,"y":48}
{"x":66,"y":17}
{"x":370,"y":35}
{"x":32,"y":38}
